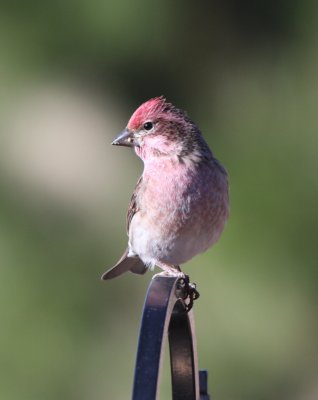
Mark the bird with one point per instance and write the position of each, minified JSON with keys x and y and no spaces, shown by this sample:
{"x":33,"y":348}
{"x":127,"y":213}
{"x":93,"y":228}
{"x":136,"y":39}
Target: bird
{"x":180,"y":204}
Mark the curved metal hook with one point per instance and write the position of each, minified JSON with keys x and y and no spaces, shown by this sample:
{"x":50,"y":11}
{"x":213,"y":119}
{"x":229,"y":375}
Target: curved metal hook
{"x":165,"y":314}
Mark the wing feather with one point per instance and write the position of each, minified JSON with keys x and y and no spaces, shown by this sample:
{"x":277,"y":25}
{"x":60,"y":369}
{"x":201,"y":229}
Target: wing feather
{"x":133,"y":264}
{"x":133,"y":206}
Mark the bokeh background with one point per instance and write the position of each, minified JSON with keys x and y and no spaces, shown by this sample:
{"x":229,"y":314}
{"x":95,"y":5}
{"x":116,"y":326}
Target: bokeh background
{"x":71,"y":73}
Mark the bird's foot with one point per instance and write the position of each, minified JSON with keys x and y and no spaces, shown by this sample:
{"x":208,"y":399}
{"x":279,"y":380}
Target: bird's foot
{"x":185,"y":290}
{"x":172,"y":273}
{"x":169,"y":270}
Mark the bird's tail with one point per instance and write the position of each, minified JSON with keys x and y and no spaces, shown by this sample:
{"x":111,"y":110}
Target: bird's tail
{"x":133,"y":264}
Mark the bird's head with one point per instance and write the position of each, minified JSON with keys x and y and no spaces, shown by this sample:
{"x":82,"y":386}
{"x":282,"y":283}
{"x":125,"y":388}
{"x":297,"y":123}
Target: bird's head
{"x":157,"y":129}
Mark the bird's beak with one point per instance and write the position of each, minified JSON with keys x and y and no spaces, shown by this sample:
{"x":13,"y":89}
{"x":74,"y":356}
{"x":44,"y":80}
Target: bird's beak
{"x":125,"y":138}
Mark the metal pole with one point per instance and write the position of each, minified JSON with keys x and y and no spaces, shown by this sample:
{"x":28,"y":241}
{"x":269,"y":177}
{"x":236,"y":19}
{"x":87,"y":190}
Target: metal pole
{"x":166,"y":314}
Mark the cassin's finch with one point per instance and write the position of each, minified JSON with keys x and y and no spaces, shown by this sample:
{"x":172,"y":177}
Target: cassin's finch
{"x":180,"y":204}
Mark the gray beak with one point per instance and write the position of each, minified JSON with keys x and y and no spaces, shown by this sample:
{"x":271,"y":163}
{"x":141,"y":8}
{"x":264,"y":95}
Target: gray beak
{"x":125,"y":138}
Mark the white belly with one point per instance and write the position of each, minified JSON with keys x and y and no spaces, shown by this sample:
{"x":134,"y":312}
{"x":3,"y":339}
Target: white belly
{"x":154,"y":244}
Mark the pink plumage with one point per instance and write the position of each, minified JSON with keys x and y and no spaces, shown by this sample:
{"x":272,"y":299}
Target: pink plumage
{"x":180,"y":204}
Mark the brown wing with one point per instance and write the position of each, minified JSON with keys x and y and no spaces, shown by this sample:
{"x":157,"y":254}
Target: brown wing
{"x":133,"y":264}
{"x":133,"y":208}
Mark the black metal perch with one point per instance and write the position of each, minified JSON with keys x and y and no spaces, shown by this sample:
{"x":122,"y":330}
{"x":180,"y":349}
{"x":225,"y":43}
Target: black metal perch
{"x":167,"y":312}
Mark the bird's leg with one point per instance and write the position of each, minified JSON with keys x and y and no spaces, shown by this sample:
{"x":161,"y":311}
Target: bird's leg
{"x":169,"y":270}
{"x":185,"y":289}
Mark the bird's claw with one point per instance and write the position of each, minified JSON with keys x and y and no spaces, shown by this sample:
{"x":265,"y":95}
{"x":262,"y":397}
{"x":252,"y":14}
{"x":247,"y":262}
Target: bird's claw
{"x":174,"y":274}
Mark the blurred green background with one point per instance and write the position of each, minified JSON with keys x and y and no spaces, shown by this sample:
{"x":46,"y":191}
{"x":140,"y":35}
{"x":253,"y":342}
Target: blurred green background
{"x":71,"y":73}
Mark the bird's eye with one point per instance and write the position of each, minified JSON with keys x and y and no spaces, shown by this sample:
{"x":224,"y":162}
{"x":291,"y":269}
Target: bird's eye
{"x":148,"y":126}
